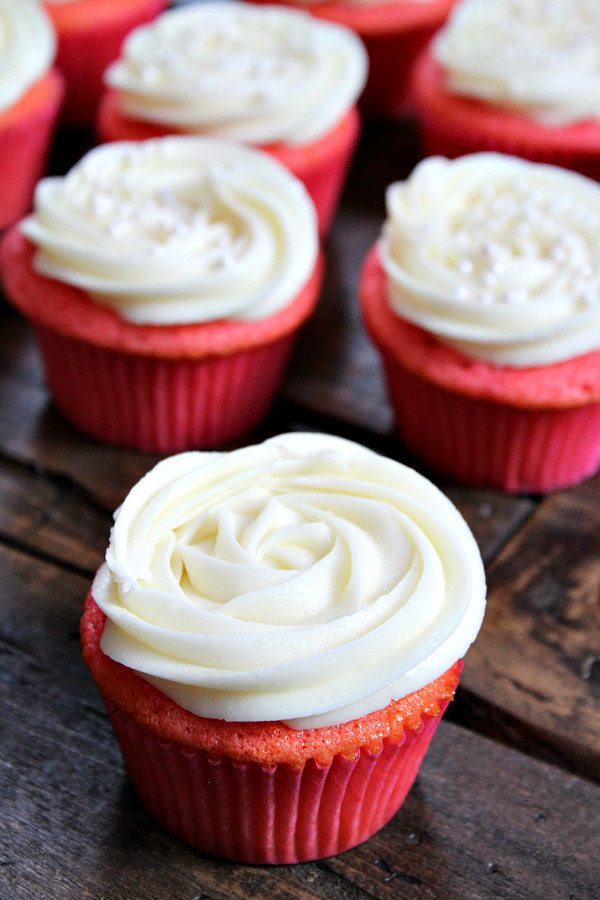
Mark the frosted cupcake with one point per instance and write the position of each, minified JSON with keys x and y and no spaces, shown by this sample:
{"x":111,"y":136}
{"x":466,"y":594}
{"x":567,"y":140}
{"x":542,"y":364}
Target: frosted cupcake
{"x":31,"y":92}
{"x":276,"y":633}
{"x":271,"y":77}
{"x":90,"y":34}
{"x":483,"y":296}
{"x":166,"y":281}
{"x":518,"y":76}
{"x":394,"y":33}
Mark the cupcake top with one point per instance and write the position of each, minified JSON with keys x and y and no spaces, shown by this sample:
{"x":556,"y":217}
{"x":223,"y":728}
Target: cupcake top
{"x":27,"y":47}
{"x":177,"y":230}
{"x":305,"y":579}
{"x":261,"y":74}
{"x":539,"y":57}
{"x":497,"y":256}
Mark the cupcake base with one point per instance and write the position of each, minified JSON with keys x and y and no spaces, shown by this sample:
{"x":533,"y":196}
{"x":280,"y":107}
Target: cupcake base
{"x":452,"y":125}
{"x":156,"y":388}
{"x":520,"y":430}
{"x":277,"y":814}
{"x":161,"y":405}
{"x":261,"y":792}
{"x":26,"y":131}
{"x":321,"y":165}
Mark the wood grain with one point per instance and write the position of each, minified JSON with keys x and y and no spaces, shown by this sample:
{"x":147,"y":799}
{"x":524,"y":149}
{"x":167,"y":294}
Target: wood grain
{"x":486,"y":817}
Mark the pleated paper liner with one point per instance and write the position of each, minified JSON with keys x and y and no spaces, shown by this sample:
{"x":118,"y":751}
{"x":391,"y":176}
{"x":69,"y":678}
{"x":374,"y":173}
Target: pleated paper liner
{"x":161,"y":405}
{"x":486,"y":444}
{"x":90,"y":34}
{"x":452,"y":125}
{"x":157,"y":388}
{"x":262,"y":792}
{"x":531,"y":430}
{"x":277,"y":814}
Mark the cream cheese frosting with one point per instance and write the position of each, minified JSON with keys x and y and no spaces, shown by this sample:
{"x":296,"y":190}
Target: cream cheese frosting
{"x":177,"y":230}
{"x":260,"y":74}
{"x":497,"y":256}
{"x":306,"y":579}
{"x":539,"y":57}
{"x":27,"y":47}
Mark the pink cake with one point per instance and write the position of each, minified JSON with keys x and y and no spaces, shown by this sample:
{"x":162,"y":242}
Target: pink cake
{"x":307,"y":749}
{"x":514,"y":78}
{"x":165,"y":385}
{"x":89,"y":35}
{"x":513,"y":426}
{"x":295,"y":98}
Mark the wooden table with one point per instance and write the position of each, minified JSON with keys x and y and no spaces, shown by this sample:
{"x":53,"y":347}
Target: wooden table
{"x":507,"y":803}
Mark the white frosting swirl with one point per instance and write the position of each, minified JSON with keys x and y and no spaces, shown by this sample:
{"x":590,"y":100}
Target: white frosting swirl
{"x":177,"y":230}
{"x":27,"y":47}
{"x":497,"y":256}
{"x":540,"y":57}
{"x":257,"y":74}
{"x":305,"y":579}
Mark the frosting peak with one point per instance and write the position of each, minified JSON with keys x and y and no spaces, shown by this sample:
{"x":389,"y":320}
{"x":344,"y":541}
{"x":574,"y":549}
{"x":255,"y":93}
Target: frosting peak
{"x":177,"y":230}
{"x":305,"y":579}
{"x":497,"y":256}
{"x":540,"y":57}
{"x":259,"y":74}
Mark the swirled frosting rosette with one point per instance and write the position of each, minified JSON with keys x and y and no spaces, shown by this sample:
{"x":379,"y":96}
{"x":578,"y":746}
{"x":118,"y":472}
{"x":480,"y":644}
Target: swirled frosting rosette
{"x":305,"y":579}
{"x":27,"y":48}
{"x":540,"y":57}
{"x":498,"y":257}
{"x":255,"y":74}
{"x":176,"y":230}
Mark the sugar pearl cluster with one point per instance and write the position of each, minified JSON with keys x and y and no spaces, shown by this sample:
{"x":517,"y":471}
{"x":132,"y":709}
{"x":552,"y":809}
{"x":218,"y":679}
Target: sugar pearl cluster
{"x":161,"y":220}
{"x":260,"y":74}
{"x":498,"y":256}
{"x":177,"y":230}
{"x":507,"y":242}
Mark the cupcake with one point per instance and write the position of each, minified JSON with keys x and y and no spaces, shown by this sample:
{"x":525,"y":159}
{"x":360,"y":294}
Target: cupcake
{"x":271,"y":77}
{"x":276,"y":633}
{"x":515,"y":76}
{"x":483,"y":297}
{"x":166,"y":280}
{"x":394,"y":33}
{"x":90,"y":34}
{"x":31,"y":92}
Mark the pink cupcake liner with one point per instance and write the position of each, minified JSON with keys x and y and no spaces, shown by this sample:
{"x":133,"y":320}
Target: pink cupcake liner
{"x":451,"y":125}
{"x":161,"y":405}
{"x":489,"y":444}
{"x":440,"y":139}
{"x":280,"y":814}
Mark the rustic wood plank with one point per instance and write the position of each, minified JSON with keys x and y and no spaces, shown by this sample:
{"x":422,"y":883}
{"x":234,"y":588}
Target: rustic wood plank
{"x":33,"y":432}
{"x":335,"y":369}
{"x":482,"y":820}
{"x":51,"y":517}
{"x":537,"y":658}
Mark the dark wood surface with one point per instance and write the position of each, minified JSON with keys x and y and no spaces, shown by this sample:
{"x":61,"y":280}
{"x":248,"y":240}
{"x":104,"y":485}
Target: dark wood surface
{"x":507,"y":803}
